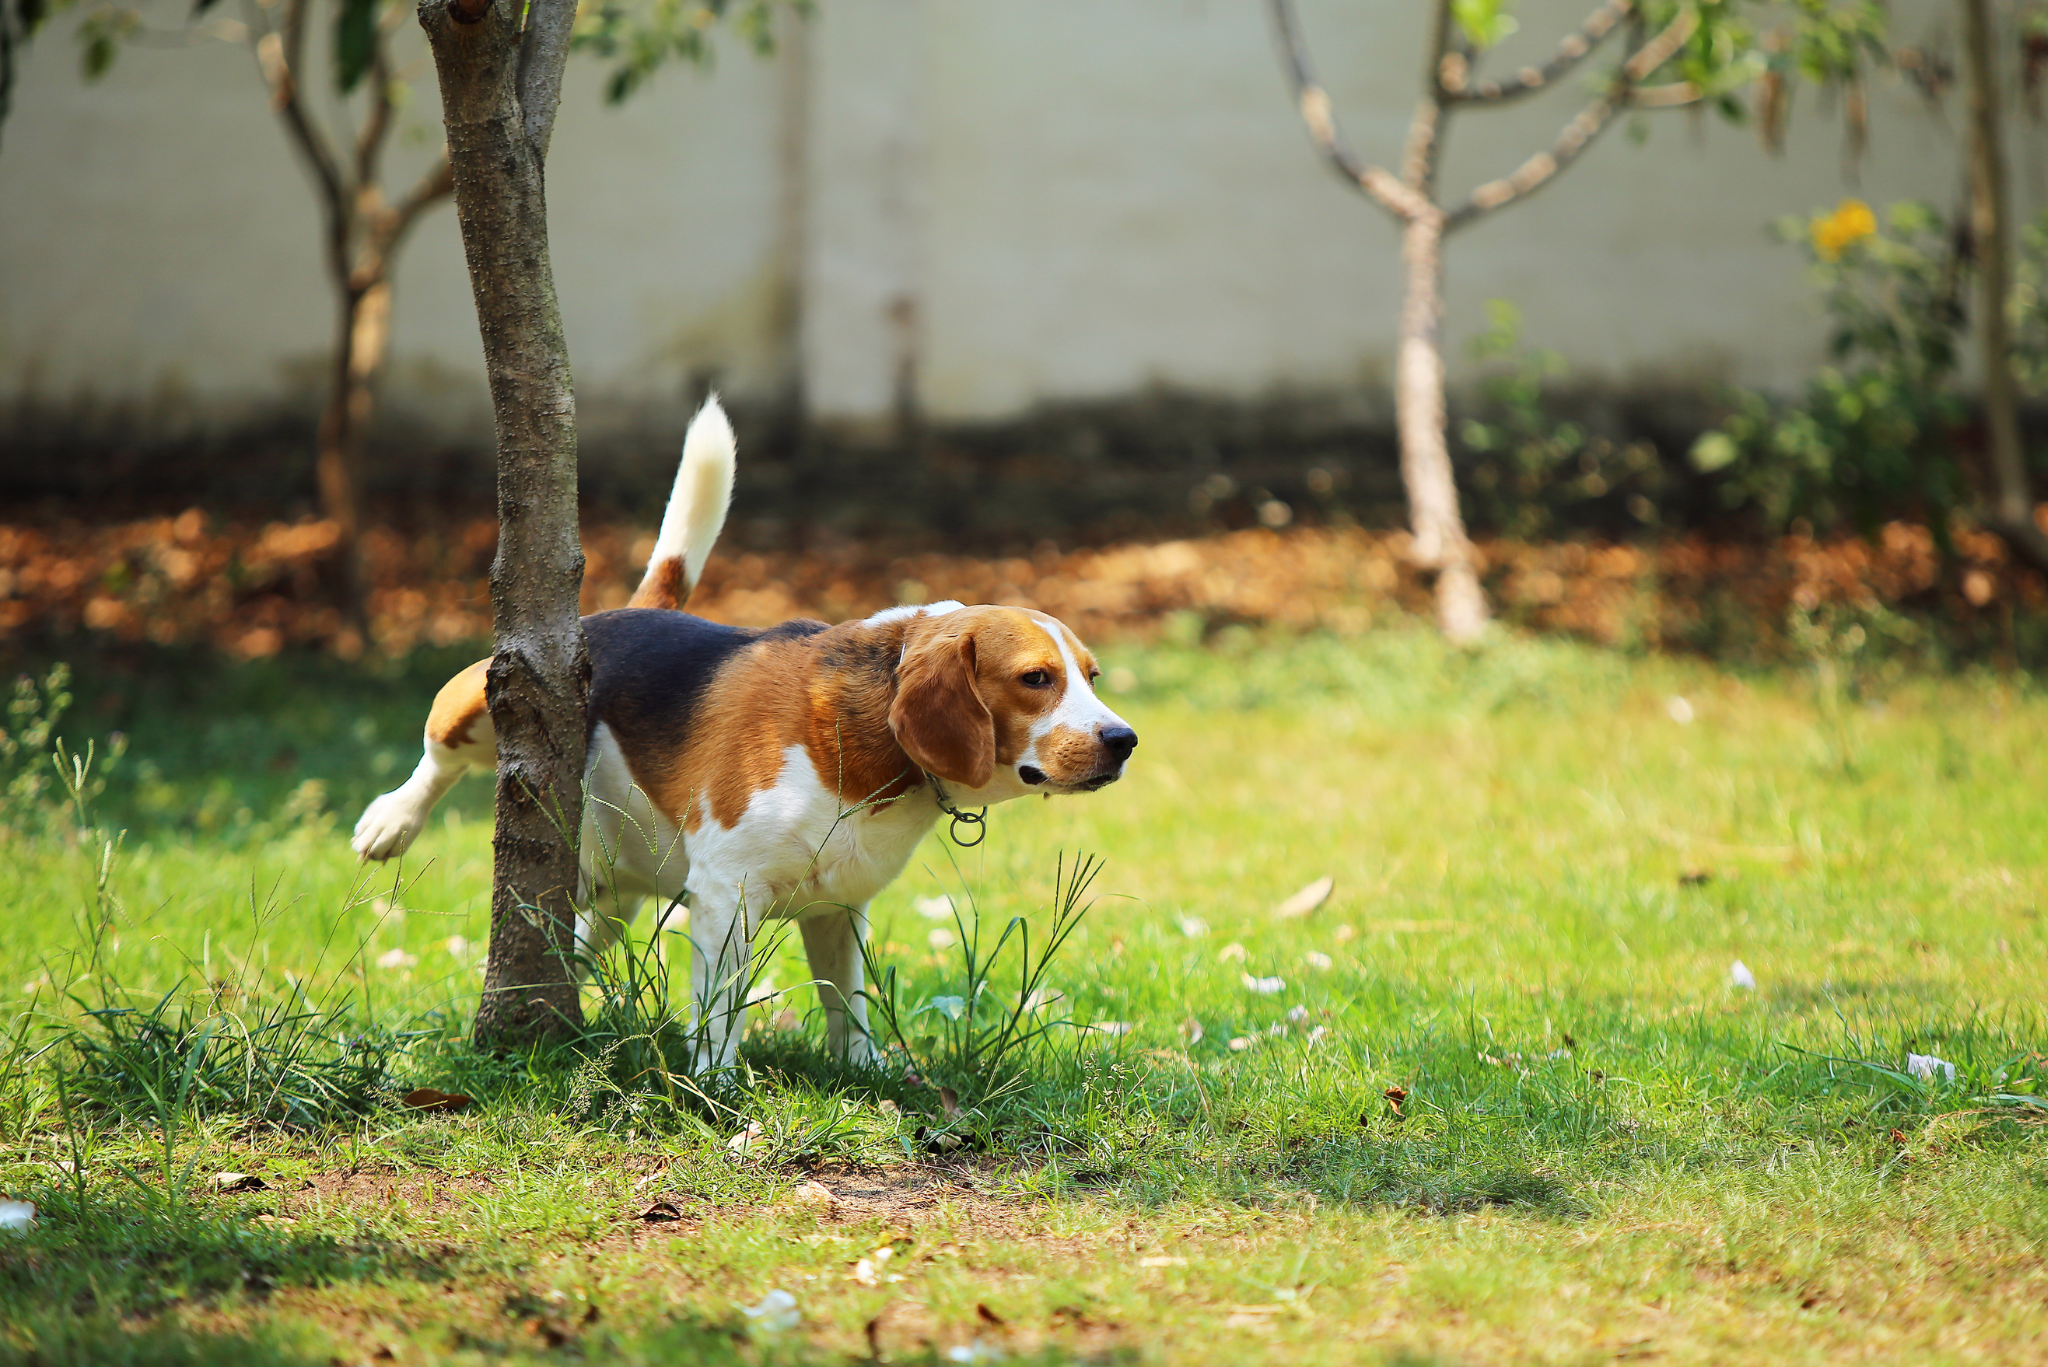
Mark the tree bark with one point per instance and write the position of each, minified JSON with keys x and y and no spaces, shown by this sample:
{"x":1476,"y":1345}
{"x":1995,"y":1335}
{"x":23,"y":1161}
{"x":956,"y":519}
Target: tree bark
{"x":2012,"y":503}
{"x":342,"y":419}
{"x":540,"y":671}
{"x":1440,"y":540}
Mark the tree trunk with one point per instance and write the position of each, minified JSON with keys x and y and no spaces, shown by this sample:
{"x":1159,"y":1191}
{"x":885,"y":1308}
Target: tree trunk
{"x":540,"y":672}
{"x":335,"y":464}
{"x":1440,"y":541}
{"x":2012,"y":507}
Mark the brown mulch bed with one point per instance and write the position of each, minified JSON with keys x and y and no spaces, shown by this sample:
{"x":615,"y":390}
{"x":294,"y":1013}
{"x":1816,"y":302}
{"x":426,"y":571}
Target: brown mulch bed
{"x":253,"y":589}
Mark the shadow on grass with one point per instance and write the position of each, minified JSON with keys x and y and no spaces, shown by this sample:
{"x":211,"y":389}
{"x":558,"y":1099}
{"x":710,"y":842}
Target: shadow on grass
{"x":47,"y":1339}
{"x":134,"y":1257}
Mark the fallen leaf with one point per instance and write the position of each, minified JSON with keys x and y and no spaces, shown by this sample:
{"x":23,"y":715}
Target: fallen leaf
{"x":1307,"y":900}
{"x":1694,"y":878}
{"x":660,"y":1213}
{"x":429,"y":1099}
{"x":742,"y":1144}
{"x":949,"y":1101}
{"x":237,"y":1181}
{"x":987,"y":1315}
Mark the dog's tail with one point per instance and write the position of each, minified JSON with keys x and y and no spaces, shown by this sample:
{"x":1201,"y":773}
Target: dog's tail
{"x":696,"y":511}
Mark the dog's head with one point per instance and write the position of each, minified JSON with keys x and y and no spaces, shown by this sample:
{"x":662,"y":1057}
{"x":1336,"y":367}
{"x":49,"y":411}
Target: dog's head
{"x":1000,"y":702}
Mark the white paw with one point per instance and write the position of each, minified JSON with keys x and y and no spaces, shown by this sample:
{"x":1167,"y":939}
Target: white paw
{"x":388,"y":826}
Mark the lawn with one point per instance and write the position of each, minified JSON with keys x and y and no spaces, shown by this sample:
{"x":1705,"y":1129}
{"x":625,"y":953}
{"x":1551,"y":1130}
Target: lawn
{"x":1503,"y":1097}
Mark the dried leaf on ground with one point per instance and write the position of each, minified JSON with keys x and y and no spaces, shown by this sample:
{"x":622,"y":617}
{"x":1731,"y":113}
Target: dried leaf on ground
{"x":1307,"y":900}
{"x":431,"y":1099}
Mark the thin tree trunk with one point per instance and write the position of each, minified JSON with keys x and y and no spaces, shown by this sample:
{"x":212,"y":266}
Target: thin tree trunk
{"x":1440,"y":540}
{"x":2012,"y":508}
{"x":499,"y":107}
{"x":336,"y":461}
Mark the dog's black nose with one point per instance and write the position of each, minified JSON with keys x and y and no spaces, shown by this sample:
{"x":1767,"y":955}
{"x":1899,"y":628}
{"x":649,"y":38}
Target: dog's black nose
{"x":1118,"y":740}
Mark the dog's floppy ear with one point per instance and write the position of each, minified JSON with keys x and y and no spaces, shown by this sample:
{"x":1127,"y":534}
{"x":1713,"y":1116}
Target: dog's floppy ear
{"x":938,"y":718}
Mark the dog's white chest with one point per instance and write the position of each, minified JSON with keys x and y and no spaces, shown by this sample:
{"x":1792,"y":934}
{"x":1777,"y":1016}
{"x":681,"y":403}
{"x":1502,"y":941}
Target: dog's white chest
{"x":799,"y":850}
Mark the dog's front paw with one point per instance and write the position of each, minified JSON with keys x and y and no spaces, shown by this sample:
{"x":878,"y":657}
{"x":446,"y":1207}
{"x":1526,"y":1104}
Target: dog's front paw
{"x":388,"y":826}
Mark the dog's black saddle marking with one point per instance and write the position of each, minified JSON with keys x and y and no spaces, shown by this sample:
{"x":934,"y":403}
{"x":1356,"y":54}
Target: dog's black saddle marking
{"x":648,"y":666}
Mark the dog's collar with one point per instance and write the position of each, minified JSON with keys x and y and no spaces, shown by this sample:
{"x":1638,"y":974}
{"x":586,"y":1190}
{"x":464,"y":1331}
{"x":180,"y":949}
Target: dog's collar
{"x":970,"y":819}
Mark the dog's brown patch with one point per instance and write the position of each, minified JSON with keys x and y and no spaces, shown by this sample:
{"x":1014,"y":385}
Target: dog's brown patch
{"x":829,"y":692}
{"x":452,"y":720}
{"x":662,"y":587}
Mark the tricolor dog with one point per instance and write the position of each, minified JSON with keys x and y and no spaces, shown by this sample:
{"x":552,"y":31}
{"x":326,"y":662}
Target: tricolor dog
{"x":786,"y":772}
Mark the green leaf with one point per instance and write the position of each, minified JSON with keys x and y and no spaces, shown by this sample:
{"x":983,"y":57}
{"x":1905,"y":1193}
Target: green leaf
{"x":355,"y":42}
{"x":1485,"y":22}
{"x":1714,"y":451}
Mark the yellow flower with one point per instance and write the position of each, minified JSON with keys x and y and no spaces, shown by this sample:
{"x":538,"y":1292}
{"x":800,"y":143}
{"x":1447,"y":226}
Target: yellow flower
{"x":1850,"y":223}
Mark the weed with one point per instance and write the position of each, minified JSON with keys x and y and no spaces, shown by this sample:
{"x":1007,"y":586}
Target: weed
{"x":978,"y":1035}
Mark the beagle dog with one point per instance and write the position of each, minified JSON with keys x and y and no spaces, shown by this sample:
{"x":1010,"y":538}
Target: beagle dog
{"x":782,"y":773}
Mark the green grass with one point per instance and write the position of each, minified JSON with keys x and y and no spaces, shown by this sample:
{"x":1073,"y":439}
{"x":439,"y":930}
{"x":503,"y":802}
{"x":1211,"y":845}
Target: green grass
{"x":1607,"y":1150}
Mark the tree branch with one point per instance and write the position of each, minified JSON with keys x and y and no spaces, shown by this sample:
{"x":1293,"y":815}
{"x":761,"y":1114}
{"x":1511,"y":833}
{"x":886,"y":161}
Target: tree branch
{"x":1576,"y":136}
{"x":1313,"y":103}
{"x":1454,"y":75}
{"x":1566,"y":148}
{"x":370,"y":141}
{"x":277,"y":57}
{"x":543,"y":52}
{"x":433,"y":187}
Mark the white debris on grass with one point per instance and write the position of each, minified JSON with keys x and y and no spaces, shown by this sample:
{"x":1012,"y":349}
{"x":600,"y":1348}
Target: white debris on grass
{"x":17,"y":1217}
{"x":938,"y":908}
{"x":1297,"y":1014}
{"x":1319,"y":961}
{"x":776,"y":1312}
{"x":397,"y":958}
{"x":1740,"y":976}
{"x":1194,"y":927}
{"x":1925,"y":1066}
{"x":1317,"y":1034}
{"x":1232,"y":953}
{"x":1679,"y":710}
{"x":1242,"y":1043}
{"x":941,"y":938}
{"x":1265,"y":987}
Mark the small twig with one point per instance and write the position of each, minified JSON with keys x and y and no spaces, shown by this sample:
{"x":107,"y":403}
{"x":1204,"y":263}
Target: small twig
{"x":1313,"y":103}
{"x":1576,"y":136}
{"x":1454,"y":71}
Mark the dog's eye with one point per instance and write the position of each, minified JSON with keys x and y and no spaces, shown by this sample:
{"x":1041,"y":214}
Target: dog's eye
{"x":1036,"y":678}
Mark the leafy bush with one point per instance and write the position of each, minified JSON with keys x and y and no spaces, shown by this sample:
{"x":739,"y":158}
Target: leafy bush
{"x":1530,"y":471}
{"x":1873,"y":437}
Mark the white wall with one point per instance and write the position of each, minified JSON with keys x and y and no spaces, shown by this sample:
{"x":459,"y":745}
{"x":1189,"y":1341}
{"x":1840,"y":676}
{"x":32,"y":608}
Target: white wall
{"x":1018,"y":201}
